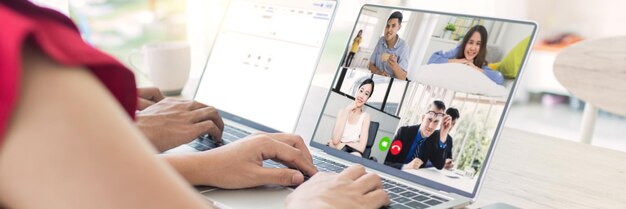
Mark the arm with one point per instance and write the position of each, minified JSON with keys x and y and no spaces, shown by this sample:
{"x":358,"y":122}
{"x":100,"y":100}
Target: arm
{"x":215,"y":167}
{"x":438,"y":145}
{"x":495,"y":76}
{"x":340,"y":124}
{"x":449,"y":162}
{"x":398,"y":71}
{"x":449,"y":148}
{"x":441,"y":57}
{"x":438,"y":151}
{"x":372,"y":67}
{"x":363,"y":136}
{"x":400,"y":65}
{"x":85,"y":153}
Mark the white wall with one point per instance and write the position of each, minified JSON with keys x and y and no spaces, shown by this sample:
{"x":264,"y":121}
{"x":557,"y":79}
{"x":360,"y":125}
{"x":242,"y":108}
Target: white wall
{"x":511,"y":35}
{"x":591,"y":19}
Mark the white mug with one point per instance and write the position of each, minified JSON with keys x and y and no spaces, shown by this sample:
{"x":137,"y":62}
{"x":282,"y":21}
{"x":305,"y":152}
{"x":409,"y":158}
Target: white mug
{"x":167,"y":63}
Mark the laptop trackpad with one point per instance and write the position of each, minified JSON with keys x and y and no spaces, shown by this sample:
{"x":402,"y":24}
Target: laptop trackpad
{"x":260,"y":197}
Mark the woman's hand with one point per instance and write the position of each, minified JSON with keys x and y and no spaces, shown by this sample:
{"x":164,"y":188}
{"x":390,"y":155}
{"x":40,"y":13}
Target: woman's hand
{"x":240,"y":164}
{"x":352,"y":188}
{"x":460,"y":61}
{"x":471,"y":64}
{"x":352,"y":106}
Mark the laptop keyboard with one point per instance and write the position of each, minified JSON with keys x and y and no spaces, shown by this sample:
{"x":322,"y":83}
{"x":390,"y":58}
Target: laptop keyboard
{"x":401,"y":196}
{"x":230,"y":134}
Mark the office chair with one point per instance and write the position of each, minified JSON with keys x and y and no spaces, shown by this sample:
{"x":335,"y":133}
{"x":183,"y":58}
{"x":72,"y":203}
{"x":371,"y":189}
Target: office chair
{"x":371,"y":137}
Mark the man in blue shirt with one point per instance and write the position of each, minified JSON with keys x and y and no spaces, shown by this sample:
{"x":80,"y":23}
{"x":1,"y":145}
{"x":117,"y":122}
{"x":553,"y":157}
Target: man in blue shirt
{"x":391,"y":54}
{"x":411,"y":139}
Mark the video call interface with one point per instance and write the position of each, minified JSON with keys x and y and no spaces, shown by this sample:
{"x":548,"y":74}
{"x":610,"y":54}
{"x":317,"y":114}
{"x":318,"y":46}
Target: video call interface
{"x":422,"y":92}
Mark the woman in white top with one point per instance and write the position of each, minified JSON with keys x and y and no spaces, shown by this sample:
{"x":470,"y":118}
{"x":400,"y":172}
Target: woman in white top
{"x":351,"y":128}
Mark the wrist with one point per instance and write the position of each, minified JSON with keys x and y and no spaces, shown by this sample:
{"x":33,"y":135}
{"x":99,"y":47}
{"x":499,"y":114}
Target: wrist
{"x":193,"y":167}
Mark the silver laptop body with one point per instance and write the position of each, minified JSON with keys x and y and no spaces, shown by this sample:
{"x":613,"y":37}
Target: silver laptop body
{"x":482,"y":101}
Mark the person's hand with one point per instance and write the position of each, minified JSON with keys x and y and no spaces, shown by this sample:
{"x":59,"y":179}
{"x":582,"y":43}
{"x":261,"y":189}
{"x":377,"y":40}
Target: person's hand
{"x":471,"y":64}
{"x":172,"y":122}
{"x":460,"y":61}
{"x":449,"y":164}
{"x":414,"y":164}
{"x":352,"y":188}
{"x":384,"y":73}
{"x":148,"y":96}
{"x":393,"y":61}
{"x":446,"y":125}
{"x":352,"y":106}
{"x":240,"y":164}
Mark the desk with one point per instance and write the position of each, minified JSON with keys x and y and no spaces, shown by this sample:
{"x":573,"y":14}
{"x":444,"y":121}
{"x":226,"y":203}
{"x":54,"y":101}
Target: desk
{"x":444,"y":176}
{"x":595,"y":71}
{"x":536,"y":171}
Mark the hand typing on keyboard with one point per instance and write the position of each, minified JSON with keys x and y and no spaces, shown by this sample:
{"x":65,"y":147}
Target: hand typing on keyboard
{"x":352,"y":188}
{"x":169,"y":122}
{"x":240,"y":164}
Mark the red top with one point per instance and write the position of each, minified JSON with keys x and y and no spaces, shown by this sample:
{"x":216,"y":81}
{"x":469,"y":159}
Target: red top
{"x":58,"y":37}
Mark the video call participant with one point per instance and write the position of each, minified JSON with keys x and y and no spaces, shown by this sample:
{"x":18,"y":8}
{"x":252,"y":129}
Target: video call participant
{"x":472,"y":52}
{"x":412,"y":138}
{"x":437,"y":149}
{"x":354,"y":49}
{"x":391,"y":54}
{"x":352,"y":126}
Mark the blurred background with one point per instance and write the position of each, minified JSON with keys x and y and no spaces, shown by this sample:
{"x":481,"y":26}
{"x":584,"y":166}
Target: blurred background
{"x":541,"y":105}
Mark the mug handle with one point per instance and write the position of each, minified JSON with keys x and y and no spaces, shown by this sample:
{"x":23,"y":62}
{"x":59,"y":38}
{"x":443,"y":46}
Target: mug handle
{"x":133,"y":54}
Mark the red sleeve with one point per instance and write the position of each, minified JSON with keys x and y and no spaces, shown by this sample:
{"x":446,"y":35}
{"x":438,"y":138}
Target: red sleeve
{"x":56,"y":35}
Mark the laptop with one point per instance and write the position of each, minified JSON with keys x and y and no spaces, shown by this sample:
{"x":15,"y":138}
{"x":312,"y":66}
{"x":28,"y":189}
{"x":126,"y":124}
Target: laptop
{"x":481,"y":94}
{"x":259,"y":55}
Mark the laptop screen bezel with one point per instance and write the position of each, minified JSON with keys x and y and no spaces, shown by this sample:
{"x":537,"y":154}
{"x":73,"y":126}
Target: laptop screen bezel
{"x":241,"y":119}
{"x":404,"y":175}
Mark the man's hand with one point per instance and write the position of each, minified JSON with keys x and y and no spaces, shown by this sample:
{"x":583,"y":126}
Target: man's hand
{"x":172,"y":122}
{"x":148,"y":96}
{"x":449,"y":164}
{"x":446,"y":125}
{"x":240,"y":164}
{"x":414,"y":164}
{"x":393,"y":61}
{"x":352,"y":188}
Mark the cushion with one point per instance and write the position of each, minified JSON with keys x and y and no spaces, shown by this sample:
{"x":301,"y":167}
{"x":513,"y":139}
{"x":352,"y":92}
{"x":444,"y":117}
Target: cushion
{"x":509,"y":66}
{"x":460,"y":78}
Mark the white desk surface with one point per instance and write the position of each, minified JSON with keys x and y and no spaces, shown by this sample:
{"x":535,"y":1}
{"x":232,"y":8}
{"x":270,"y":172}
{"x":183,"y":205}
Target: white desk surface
{"x":445,"y":176}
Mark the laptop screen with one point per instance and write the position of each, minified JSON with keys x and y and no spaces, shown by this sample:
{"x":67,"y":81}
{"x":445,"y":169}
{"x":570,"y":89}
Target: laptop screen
{"x":423,"y":95}
{"x":263,"y":59}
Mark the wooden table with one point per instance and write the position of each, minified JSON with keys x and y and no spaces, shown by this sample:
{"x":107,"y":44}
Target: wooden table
{"x":595,"y":71}
{"x":536,"y":171}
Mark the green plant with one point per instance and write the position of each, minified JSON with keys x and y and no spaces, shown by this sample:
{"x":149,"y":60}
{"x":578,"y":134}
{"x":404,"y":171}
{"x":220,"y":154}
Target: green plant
{"x":450,"y":27}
